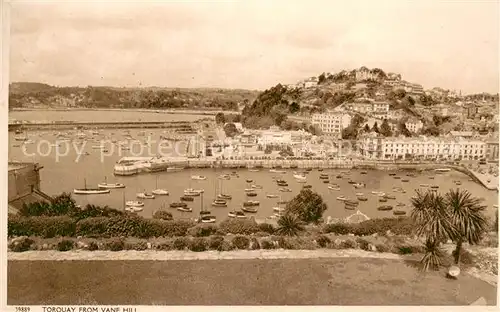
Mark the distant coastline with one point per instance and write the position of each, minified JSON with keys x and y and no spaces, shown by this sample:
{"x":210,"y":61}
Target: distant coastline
{"x":209,"y":112}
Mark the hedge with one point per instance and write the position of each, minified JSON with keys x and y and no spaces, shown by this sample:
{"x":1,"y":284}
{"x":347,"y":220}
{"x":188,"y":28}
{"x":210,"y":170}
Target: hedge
{"x":398,"y":226}
{"x":239,"y":226}
{"x":46,"y":227}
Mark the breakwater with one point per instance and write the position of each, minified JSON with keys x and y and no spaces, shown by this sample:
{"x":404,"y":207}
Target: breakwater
{"x":182,"y":126}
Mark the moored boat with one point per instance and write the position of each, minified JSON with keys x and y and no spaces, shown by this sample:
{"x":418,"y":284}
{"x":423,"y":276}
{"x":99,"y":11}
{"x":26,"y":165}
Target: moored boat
{"x":251,"y":194}
{"x":277,"y":171}
{"x":249,"y":209}
{"x":134,"y":203}
{"x":110,"y":185}
{"x":382,"y":199}
{"x":424,"y":185}
{"x":249,"y":180}
{"x":145,"y":195}
{"x":333,"y":188}
{"x":384,"y":208}
{"x":441,"y":170}
{"x":133,"y":208}
{"x":272,"y":196}
{"x":224,"y":196}
{"x":208,"y":219}
{"x":388,"y":196}
{"x":185,"y":209}
{"x":434,"y":186}
{"x":285,"y":189}
{"x":399,"y":212}
{"x":251,"y":203}
{"x":91,"y":191}
{"x":362,"y":198}
{"x":219,"y":203}
{"x":187,"y":198}
{"x":236,"y":214}
{"x":198,"y":177}
{"x":299,"y":177}
{"x":192,"y":192}
{"x":256,"y":186}
{"x":177,"y":205}
{"x":159,"y":192}
{"x":342,"y":198}
{"x":405,"y":180}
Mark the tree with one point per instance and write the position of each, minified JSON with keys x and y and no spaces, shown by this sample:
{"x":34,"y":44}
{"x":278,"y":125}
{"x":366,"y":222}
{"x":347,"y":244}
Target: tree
{"x":385,"y":129}
{"x":294,"y":107}
{"x":321,"y":78}
{"x":432,"y":131}
{"x":349,"y":133}
{"x":375,"y":128}
{"x":220,"y":119}
{"x":367,"y":128}
{"x":308,"y":206}
{"x":314,"y":130}
{"x":63,"y":204}
{"x":162,"y":215}
{"x":230,"y":130}
{"x":467,"y":217}
{"x":289,"y":225}
{"x":404,"y":131}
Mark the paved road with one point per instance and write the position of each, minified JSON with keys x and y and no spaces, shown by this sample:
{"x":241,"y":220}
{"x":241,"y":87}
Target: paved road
{"x":336,"y":281}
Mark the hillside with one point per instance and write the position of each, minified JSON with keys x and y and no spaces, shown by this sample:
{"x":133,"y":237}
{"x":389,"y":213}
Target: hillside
{"x":23,"y":94}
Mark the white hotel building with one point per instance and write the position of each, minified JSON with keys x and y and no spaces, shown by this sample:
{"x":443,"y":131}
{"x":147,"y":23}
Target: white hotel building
{"x":331,"y":123}
{"x":441,"y":148}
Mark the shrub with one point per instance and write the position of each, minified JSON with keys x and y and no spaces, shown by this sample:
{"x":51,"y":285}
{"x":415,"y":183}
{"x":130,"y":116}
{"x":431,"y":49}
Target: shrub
{"x":398,"y":226}
{"x":349,"y":244}
{"x":202,"y":229}
{"x":198,"y":244}
{"x":465,"y":257}
{"x":115,"y":244}
{"x":163,"y":215}
{"x":382,"y":248}
{"x":261,"y":234}
{"x":296,"y":243}
{"x":46,"y":227}
{"x":181,"y":243}
{"x":140,"y":245}
{"x":92,"y":246}
{"x":21,"y":244}
{"x":338,"y":228}
{"x":215,"y":242}
{"x":65,"y":245}
{"x":254,"y":243}
{"x":241,"y":242}
{"x":266,"y":228}
{"x":266,"y":244}
{"x":323,"y":241}
{"x":91,"y":211}
{"x":363,"y":243}
{"x":406,"y":249}
{"x":168,"y":245}
{"x":239,"y":226}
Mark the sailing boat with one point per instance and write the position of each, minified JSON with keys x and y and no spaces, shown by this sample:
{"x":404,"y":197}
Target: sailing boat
{"x":89,"y":191}
{"x":221,"y":195}
{"x":217,"y":202}
{"x":158,"y":191}
{"x":107,"y":185}
{"x":132,"y":205}
{"x":205,"y":216}
{"x":278,"y":211}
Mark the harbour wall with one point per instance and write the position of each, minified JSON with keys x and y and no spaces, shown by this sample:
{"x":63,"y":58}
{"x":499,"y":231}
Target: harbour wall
{"x":175,"y":125}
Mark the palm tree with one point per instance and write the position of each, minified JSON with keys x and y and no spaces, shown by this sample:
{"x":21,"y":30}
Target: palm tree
{"x":289,"y":225}
{"x":433,"y":255}
{"x":467,"y":216}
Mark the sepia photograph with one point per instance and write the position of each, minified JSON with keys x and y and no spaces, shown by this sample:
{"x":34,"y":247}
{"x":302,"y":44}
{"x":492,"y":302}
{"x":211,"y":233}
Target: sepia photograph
{"x":251,"y":153}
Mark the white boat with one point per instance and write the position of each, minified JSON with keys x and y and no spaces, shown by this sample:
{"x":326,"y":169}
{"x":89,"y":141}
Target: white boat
{"x":253,"y":170}
{"x":360,"y":194}
{"x":192,"y":192}
{"x":145,"y":195}
{"x":133,"y":208}
{"x":174,"y":169}
{"x":87,"y":191}
{"x":198,"y":177}
{"x":285,"y":189}
{"x":442,"y":170}
{"x":225,"y":177}
{"x":208,"y":219}
{"x":134,"y":203}
{"x":20,"y":138}
{"x":272,"y":196}
{"x":333,"y":188}
{"x":424,"y":185}
{"x":110,"y":185}
{"x":256,"y":187}
{"x":185,"y":209}
{"x":249,"y":190}
{"x":159,"y":192}
{"x":28,"y":142}
{"x":277,"y":171}
{"x":342,"y":198}
{"x":236,"y":214}
{"x":299,"y":176}
{"x":358,"y":185}
{"x":278,"y":209}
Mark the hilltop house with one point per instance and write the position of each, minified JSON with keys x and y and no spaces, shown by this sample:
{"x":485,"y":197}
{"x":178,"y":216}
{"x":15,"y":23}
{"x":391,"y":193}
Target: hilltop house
{"x":414,"y":125}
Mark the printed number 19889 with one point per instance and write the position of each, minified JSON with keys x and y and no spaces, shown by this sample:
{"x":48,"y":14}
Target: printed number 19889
{"x":22,"y":309}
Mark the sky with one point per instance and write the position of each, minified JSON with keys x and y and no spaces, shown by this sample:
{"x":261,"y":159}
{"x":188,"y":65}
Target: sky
{"x":253,"y":44}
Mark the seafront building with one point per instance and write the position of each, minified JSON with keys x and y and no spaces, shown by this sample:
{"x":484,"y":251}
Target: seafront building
{"x":375,"y":146}
{"x":331,"y":123}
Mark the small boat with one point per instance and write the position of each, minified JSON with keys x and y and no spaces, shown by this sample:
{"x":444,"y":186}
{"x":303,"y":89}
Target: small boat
{"x":249,"y":190}
{"x":440,"y":170}
{"x":234,"y":174}
{"x":208,"y":219}
{"x":351,"y":202}
{"x":397,"y":177}
{"x":400,"y":204}
{"x":224,"y":196}
{"x":333,"y":188}
{"x":90,"y":191}
{"x":351,"y":182}
{"x":178,"y":205}
{"x":159,"y":192}
{"x":133,"y":208}
{"x":283,"y":202}
{"x":277,"y":171}
{"x":405,"y":180}
{"x":432,"y":178}
{"x":387,"y":196}
{"x":399,"y":212}
{"x":249,"y":209}
{"x":364,"y":172}
{"x":282,"y":183}
{"x":359,"y":194}
{"x":339,"y":177}
{"x":279,"y":209}
{"x":225,"y":177}
{"x":272,"y":196}
{"x":350,"y":207}
{"x":307,"y":186}
{"x":378,"y":193}
{"x":187,"y":198}
{"x":326,"y":181}
{"x":249,"y":180}
{"x":342,"y":198}
{"x":424,"y":185}
{"x":362,"y":198}
{"x":285,"y":189}
{"x":458,"y":183}
{"x":134,"y":203}
{"x":251,"y":194}
{"x":145,"y":195}
{"x":392,"y":174}
{"x":358,"y":185}
{"x":320,"y":169}
{"x":236,"y":214}
{"x":382,"y":199}
{"x":185,"y":209}
{"x":192,"y":192}
{"x":219,"y":203}
{"x":299,"y":177}
{"x":257,"y":187}
{"x":253,"y":170}
{"x":251,"y":203}
{"x":110,"y":185}
{"x":435,"y":186}
{"x":198,"y":177}
{"x":323,"y":176}
{"x":384,"y":208}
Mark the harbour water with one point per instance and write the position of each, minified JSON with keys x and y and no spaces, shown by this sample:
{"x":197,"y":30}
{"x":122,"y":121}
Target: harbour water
{"x":64,"y":173}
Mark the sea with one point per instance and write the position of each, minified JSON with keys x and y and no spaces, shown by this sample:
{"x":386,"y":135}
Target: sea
{"x":65,"y":173}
